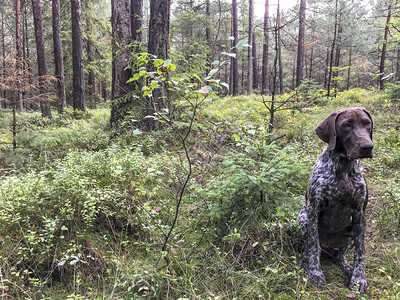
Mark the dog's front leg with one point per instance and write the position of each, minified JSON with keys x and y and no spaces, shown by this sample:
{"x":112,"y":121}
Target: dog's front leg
{"x":312,"y":253}
{"x":358,"y":277}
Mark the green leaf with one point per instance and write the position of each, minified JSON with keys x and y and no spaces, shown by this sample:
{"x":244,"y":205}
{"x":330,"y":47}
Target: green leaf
{"x":167,"y":62}
{"x":158,"y":62}
{"x":241,"y":44}
{"x":229,"y":54}
{"x":172,"y":67}
{"x":212,"y":72}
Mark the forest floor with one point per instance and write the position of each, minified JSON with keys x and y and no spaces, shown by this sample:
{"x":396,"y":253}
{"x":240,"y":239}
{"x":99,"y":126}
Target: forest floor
{"x":85,"y":212}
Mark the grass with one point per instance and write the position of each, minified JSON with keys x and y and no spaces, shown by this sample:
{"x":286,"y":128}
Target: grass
{"x":84,"y":213}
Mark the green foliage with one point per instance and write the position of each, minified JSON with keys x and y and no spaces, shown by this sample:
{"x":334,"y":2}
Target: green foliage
{"x":261,"y":183}
{"x":392,"y":91}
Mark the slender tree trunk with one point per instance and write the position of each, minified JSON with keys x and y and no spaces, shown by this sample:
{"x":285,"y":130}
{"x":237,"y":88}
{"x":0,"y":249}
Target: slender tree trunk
{"x":19,"y":63}
{"x":208,"y":35}
{"x":326,"y":68}
{"x":250,"y":52}
{"x":264,"y":71}
{"x":349,"y":69}
{"x":337,"y":56}
{"x":91,"y":57}
{"x":398,"y":65}
{"x":27,"y":52}
{"x":311,"y":63}
{"x":58,"y":57}
{"x":383,"y":53}
{"x":332,"y":49}
{"x":255,"y":63}
{"x":279,"y":48}
{"x":136,"y":20}
{"x":234,"y":61}
{"x":300,"y":45}
{"x":3,"y":44}
{"x":77,"y":57}
{"x":293,"y":85}
{"x":41,"y":57}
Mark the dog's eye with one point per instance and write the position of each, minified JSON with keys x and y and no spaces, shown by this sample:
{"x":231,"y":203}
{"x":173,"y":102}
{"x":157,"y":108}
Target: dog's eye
{"x":347,"y":125}
{"x":367,"y":123}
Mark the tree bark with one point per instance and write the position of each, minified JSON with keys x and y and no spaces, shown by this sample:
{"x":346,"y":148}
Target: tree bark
{"x":18,"y":98}
{"x":255,"y":63}
{"x":250,"y":52}
{"x":122,"y":34}
{"x":234,"y":60}
{"x":136,"y":19}
{"x":77,"y":57}
{"x":383,"y":53}
{"x":91,"y":57}
{"x":40,"y":50}
{"x":158,"y":46}
{"x":337,"y":56}
{"x":58,"y":56}
{"x":311,"y":63}
{"x":398,"y":65}
{"x":332,"y":49}
{"x":300,"y":44}
{"x":159,"y":28}
{"x":279,"y":49}
{"x":3,"y":44}
{"x":326,"y":68}
{"x":264,"y":73}
{"x":349,"y":69}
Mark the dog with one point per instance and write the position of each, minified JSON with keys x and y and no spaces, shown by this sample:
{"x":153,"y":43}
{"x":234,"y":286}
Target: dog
{"x":333,"y":216}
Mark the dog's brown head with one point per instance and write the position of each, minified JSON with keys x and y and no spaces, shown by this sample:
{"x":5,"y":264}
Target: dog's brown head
{"x":348,"y":131}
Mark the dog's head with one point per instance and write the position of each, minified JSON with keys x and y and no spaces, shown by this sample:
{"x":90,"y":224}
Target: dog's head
{"x":348,"y":131}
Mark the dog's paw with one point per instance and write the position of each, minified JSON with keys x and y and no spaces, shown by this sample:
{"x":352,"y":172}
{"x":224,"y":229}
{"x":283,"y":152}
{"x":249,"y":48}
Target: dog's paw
{"x":359,"y":283}
{"x":317,"y":277}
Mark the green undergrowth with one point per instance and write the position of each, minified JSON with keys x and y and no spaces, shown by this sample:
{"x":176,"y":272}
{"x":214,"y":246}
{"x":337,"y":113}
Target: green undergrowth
{"x":84,"y":211}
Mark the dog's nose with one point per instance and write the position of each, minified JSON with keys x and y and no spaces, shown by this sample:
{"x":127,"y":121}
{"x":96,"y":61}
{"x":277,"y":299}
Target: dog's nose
{"x":366,"y":147}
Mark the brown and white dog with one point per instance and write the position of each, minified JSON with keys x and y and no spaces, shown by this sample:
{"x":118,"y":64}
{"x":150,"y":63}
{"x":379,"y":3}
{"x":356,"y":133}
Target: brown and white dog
{"x":333,"y":217}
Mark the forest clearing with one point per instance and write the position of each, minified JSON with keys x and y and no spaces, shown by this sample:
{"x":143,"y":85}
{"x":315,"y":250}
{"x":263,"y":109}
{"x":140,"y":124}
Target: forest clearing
{"x":159,"y":150}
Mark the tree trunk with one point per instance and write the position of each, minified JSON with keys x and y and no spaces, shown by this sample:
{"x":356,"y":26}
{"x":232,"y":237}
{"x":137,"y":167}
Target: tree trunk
{"x":91,"y":57}
{"x":279,"y":49}
{"x":158,"y":46}
{"x":58,"y":57}
{"x":383,"y":53}
{"x":349,"y":69}
{"x":159,"y":28}
{"x":326,"y":68}
{"x":136,"y":19}
{"x":311,"y":63}
{"x":264,"y":72}
{"x":27,"y":58}
{"x":18,"y":98}
{"x":337,"y":57}
{"x":255,"y":64}
{"x":3,"y":44}
{"x":300,"y":44}
{"x":398,"y":65}
{"x":332,"y":49}
{"x":77,"y":57}
{"x":234,"y":61}
{"x":208,"y":35}
{"x":40,"y":49}
{"x":122,"y":34}
{"x":250,"y":52}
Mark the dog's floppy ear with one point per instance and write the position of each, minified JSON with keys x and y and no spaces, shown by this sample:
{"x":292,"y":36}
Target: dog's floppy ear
{"x":326,"y":130}
{"x":372,"y":122}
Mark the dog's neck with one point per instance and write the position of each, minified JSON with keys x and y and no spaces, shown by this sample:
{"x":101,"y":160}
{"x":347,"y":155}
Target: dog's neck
{"x":343,"y":164}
